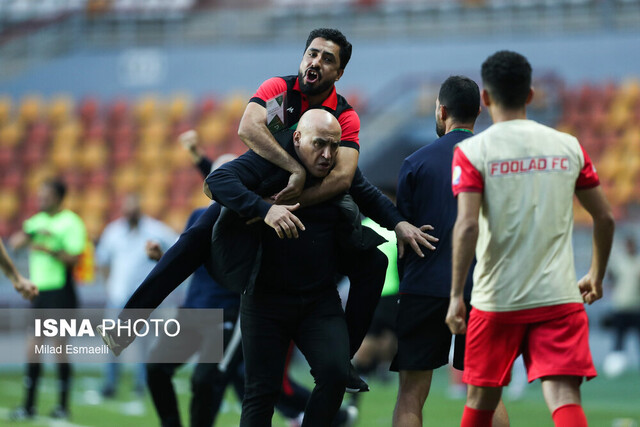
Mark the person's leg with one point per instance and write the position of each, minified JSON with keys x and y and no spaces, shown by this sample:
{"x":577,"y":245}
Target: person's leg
{"x":413,"y":390}
{"x":267,"y":325}
{"x":31,"y":384}
{"x":111,"y":373}
{"x":294,"y":397}
{"x":163,"y":395}
{"x":366,"y":272}
{"x":183,"y":258}
{"x":323,"y":339}
{"x":562,"y":394}
{"x":64,"y":375}
{"x":557,"y":351}
{"x":480,"y":407}
{"x":209,"y":380}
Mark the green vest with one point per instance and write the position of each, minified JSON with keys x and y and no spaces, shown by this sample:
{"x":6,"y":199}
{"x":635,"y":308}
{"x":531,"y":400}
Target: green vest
{"x":390,"y":249}
{"x":63,"y":231}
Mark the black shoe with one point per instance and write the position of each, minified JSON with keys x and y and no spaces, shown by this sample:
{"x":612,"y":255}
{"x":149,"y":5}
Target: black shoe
{"x":114,"y":342}
{"x":59,"y":413}
{"x":355,"y":384}
{"x":22,"y":414}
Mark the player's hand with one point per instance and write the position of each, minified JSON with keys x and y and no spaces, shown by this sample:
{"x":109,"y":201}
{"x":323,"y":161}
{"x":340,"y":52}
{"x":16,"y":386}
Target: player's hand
{"x":271,"y":200}
{"x":153,"y":250}
{"x":415,"y":237}
{"x":189,"y":140}
{"x":590,"y":288}
{"x":456,"y":316}
{"x":294,"y":187}
{"x":280,"y":218}
{"x":26,"y":288}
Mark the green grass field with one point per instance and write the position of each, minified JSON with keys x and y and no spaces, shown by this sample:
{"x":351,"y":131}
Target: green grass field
{"x":607,"y":402}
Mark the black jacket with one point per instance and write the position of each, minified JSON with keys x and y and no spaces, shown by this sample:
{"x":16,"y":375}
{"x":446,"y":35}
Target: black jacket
{"x":240,"y":185}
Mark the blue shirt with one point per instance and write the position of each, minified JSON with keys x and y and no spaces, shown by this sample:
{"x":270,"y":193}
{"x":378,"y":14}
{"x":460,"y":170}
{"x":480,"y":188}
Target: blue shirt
{"x":425,"y":197}
{"x":203,"y":291}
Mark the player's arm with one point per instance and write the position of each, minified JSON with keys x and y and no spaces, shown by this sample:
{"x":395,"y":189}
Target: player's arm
{"x":379,"y":208}
{"x":596,"y":204}
{"x":465,"y":237}
{"x":254,"y":133}
{"x":231,"y":185}
{"x":468,"y":186}
{"x":21,"y":284}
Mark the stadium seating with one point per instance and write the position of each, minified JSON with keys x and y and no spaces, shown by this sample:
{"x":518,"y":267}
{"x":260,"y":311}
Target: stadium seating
{"x":106,"y":148}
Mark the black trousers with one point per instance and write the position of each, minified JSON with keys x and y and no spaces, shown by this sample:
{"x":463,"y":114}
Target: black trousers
{"x":316,"y":323}
{"x":208,"y":381}
{"x":365,"y":269}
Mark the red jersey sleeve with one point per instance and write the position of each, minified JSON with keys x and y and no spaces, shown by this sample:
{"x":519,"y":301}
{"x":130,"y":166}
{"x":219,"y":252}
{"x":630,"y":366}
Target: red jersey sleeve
{"x":350,"y":124}
{"x":588,"y":177}
{"x":269,"y":89}
{"x":465,"y":178}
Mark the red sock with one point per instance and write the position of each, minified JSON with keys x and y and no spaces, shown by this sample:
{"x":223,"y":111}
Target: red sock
{"x":570,"y":415}
{"x":476,"y":417}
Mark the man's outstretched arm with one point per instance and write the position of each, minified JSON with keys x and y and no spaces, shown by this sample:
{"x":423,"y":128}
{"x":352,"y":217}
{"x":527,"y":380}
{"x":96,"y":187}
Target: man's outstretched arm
{"x":26,"y":288}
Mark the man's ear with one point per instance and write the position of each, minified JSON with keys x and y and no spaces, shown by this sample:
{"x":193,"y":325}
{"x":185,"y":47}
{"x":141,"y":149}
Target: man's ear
{"x":444,"y":113}
{"x":530,"y":96}
{"x":296,"y":138}
{"x":486,"y":98}
{"x":340,"y":73}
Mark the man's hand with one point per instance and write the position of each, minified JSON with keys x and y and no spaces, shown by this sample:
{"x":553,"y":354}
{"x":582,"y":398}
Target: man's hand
{"x":456,"y":316}
{"x":26,"y":287}
{"x":153,"y":250}
{"x":590,"y":288}
{"x":294,"y":187}
{"x":409,"y":234}
{"x":283,"y":221}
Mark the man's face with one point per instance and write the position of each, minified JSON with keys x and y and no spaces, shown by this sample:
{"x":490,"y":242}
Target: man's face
{"x":317,"y":149}
{"x":440,"y":126}
{"x":48,"y":199}
{"x":320,"y":67}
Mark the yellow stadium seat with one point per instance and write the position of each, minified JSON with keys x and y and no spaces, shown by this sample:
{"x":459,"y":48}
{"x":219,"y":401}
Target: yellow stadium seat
{"x":60,"y":109}
{"x":11,"y":134}
{"x":30,"y":109}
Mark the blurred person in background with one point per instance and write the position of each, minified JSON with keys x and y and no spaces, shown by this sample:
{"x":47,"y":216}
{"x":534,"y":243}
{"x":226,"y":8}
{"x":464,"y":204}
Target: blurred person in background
{"x":515,"y":184}
{"x":56,"y":238}
{"x":424,"y":193}
{"x":625,"y":301}
{"x":122,"y":260}
{"x":24,"y":286}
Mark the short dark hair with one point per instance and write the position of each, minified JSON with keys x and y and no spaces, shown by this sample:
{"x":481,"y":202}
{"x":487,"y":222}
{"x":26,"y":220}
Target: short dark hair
{"x":58,"y":186}
{"x":461,"y":96}
{"x":506,"y":75}
{"x":335,"y":36}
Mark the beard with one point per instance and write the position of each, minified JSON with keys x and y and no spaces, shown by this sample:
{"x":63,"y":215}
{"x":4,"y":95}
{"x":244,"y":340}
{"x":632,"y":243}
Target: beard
{"x":315,"y":89}
{"x":440,"y":128}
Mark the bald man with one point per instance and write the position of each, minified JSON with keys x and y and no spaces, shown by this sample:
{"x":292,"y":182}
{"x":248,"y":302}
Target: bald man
{"x":294,"y":295}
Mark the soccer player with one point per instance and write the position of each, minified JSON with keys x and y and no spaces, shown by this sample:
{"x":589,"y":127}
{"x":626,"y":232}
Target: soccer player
{"x":57,"y":238}
{"x":424,"y":192}
{"x":515,"y":184}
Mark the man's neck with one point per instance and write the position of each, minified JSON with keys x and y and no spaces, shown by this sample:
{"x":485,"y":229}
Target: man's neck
{"x":451,"y":126}
{"x":499,"y":114}
{"x":53,"y":211}
{"x":320,"y":98}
